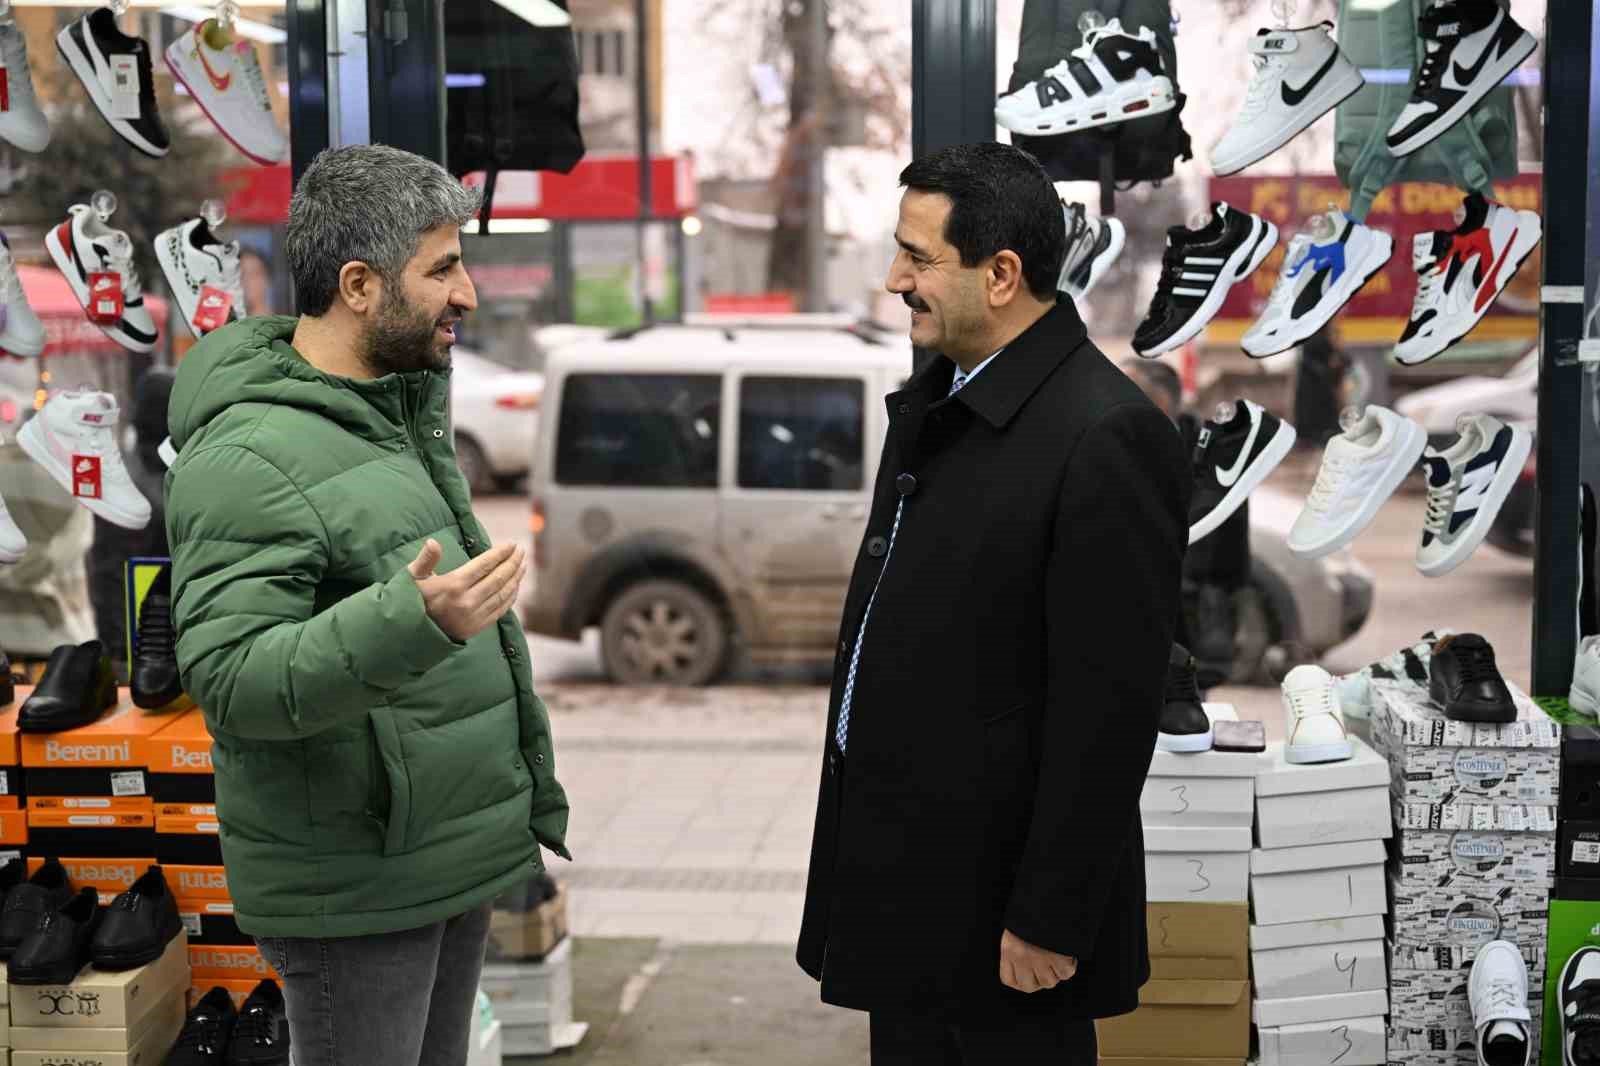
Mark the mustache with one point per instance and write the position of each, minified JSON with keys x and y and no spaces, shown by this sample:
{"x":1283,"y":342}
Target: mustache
{"x":913,"y":303}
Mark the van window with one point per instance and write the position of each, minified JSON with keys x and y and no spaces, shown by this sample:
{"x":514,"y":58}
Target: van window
{"x":801,"y":433}
{"x":639,"y":430}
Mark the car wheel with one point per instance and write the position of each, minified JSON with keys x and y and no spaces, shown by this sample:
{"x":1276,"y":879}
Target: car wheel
{"x":1254,"y":633}
{"x":474,"y":465}
{"x":663,"y":633}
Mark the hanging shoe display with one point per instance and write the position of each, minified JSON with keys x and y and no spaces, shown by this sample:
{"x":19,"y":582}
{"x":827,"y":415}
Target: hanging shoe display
{"x":116,"y":73}
{"x":1361,"y":468}
{"x":22,"y":333}
{"x":1093,"y":244}
{"x":1203,"y":261}
{"x":1112,"y":77}
{"x":1325,"y":265}
{"x":228,"y":85}
{"x":21,"y":122}
{"x":97,"y":262}
{"x":1238,"y":448}
{"x":12,"y":543}
{"x":74,"y":438}
{"x":1467,"y":484}
{"x":203,"y":274}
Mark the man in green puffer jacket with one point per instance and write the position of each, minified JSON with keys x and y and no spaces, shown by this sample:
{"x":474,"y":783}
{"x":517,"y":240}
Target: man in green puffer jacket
{"x":383,"y":765}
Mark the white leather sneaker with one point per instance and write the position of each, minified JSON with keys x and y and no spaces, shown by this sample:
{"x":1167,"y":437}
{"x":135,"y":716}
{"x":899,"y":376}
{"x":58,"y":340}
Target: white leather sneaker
{"x":75,"y":439}
{"x":1361,"y":468}
{"x":1585,"y":694}
{"x":1498,"y":989}
{"x":1313,"y":727}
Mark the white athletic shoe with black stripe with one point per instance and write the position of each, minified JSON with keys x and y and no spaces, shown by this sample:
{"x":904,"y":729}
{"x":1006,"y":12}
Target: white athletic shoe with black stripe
{"x":1112,"y":77}
{"x":193,"y":259}
{"x":1196,"y":272}
{"x":1467,"y":484}
{"x":115,"y":71}
{"x":1093,"y":244}
{"x":1324,"y":267}
{"x":84,"y":245}
{"x":1470,"y":46}
{"x":1238,"y":448}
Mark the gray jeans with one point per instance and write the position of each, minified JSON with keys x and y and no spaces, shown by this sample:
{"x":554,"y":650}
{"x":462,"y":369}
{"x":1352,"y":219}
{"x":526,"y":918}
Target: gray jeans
{"x":395,"y":999}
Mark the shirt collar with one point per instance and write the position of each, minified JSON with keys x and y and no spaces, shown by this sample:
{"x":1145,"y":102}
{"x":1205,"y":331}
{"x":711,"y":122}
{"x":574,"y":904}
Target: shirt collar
{"x":962,"y":380}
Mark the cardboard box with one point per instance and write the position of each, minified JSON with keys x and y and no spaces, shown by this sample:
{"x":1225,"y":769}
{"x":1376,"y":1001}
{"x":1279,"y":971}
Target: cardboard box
{"x":1319,"y":958}
{"x":169,"y":1016}
{"x":1351,"y":1042}
{"x":1580,"y":773}
{"x":189,"y":840}
{"x":1579,"y":849}
{"x":1197,"y":865}
{"x":13,"y":827}
{"x":12,"y":792}
{"x":1182,"y":1019}
{"x":103,"y":1000}
{"x":1420,"y":1038}
{"x":1198,"y":941}
{"x":1438,"y":859}
{"x":1318,"y":881}
{"x":1574,"y":924}
{"x":198,"y":882}
{"x":1322,"y":803}
{"x":1464,"y":916}
{"x":1483,"y":775}
{"x":124,"y":835}
{"x":210,"y":922}
{"x":104,"y":758}
{"x":93,"y":804}
{"x":1452,"y":817}
{"x":108,"y":876}
{"x":530,"y":934}
{"x":179,"y":757}
{"x":221,"y":963}
{"x":531,"y":992}
{"x":1187,"y":1060}
{"x":1455,"y":956}
{"x":1406,"y":718}
{"x":1437,"y":999}
{"x":1208,"y":788}
{"x":1306,"y":1010}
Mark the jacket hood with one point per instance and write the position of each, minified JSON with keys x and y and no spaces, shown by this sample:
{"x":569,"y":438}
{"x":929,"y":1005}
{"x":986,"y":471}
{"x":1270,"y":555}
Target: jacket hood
{"x":252,"y":361}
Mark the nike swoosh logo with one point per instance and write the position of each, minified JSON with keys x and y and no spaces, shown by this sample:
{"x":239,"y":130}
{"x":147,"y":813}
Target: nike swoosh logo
{"x":1486,"y":291}
{"x":1294,"y":97}
{"x":218,"y":83}
{"x":1226,"y":478}
{"x":1464,"y":75}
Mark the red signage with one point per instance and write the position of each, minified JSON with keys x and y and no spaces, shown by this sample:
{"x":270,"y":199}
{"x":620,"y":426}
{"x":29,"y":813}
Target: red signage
{"x":1378,"y":313}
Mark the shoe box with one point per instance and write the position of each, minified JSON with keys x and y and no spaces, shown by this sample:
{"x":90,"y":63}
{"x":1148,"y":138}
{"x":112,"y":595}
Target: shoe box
{"x":145,"y":1043}
{"x":1308,"y":1010}
{"x":1457,"y":956}
{"x":181,"y":779}
{"x":1319,"y":958}
{"x":532,"y":933}
{"x":210,"y":922}
{"x":1198,"y":941}
{"x":1352,"y":1042}
{"x":1574,"y":924}
{"x":188,"y":840}
{"x":1434,"y":756}
{"x":1322,"y":803}
{"x":1422,"y":859}
{"x":108,"y":876}
{"x":103,"y":1000}
{"x":197,"y":883}
{"x":1208,"y":789}
{"x":1469,"y":915}
{"x":11,"y":777}
{"x":229,"y":962}
{"x":117,"y":834}
{"x":533,"y":1001}
{"x":1198,"y":865}
{"x":1436,"y":1001}
{"x":1317,"y":881}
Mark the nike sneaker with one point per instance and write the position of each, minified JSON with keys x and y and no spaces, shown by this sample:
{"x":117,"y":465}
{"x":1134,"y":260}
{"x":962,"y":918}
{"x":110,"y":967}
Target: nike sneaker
{"x":1324,"y":267}
{"x":1361,"y":468}
{"x":1461,"y":271}
{"x":1202,"y":262}
{"x":115,"y":71}
{"x":1300,"y":76}
{"x":97,"y":262}
{"x":1469,"y":48}
{"x":74,"y":438}
{"x":1467,"y":484}
{"x":203,"y":274}
{"x":12,"y":542}
{"x":21,"y":121}
{"x":228,"y":85}
{"x":1093,"y":244}
{"x":1238,"y":448}
{"x":1578,"y":998}
{"x":1112,"y":77}
{"x":21,"y":333}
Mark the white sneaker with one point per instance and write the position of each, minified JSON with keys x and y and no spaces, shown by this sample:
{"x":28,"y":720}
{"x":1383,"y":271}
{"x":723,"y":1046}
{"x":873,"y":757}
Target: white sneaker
{"x":84,"y":245}
{"x":22,"y":333}
{"x":1300,"y":76}
{"x":1585,"y":695}
{"x":21,"y":121}
{"x":1361,"y":468}
{"x":1325,"y":265}
{"x":74,"y":438}
{"x":115,"y":71}
{"x":193,"y":260}
{"x":1093,"y":244}
{"x":1313,"y":727}
{"x":1498,"y":988}
{"x":12,"y":542}
{"x":228,"y":85}
{"x":1579,"y":1000}
{"x":1467,"y":484}
{"x":1112,"y":77}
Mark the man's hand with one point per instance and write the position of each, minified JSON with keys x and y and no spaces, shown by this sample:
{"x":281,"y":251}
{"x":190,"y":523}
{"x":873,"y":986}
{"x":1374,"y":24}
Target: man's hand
{"x":471,"y":598}
{"x":1029,"y":969}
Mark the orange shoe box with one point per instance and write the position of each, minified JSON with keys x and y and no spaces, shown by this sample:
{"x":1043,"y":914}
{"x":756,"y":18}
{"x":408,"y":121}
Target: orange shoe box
{"x":107,"y":876}
{"x":108,"y":757}
{"x":210,"y":923}
{"x":119,"y":835}
{"x":179,"y":758}
{"x":13,"y":828}
{"x":239,"y":989}
{"x":229,"y":962}
{"x":189,"y":839}
{"x":198,"y":883}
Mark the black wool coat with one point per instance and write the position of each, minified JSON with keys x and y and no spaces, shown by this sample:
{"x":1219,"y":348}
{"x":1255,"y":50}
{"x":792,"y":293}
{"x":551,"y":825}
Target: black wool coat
{"x":1008,"y":691}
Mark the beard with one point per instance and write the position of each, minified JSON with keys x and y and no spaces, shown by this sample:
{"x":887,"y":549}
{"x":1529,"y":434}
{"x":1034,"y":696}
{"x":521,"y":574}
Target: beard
{"x":401,"y":340}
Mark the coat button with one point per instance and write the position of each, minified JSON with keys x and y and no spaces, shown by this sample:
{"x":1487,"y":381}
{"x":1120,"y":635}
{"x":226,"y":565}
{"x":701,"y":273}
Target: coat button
{"x":511,"y":653}
{"x":438,"y":433}
{"x":471,"y":543}
{"x":877,"y":547}
{"x":905,"y":408}
{"x":905,"y":484}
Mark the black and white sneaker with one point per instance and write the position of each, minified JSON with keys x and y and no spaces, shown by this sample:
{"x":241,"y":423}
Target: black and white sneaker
{"x":1323,"y":268}
{"x":1579,"y":1000}
{"x":1470,"y":47}
{"x":1093,"y":244}
{"x":84,"y":246}
{"x":1199,"y":267}
{"x":1468,"y":483}
{"x":1238,"y":448}
{"x":1183,"y":726}
{"x":1114,"y":76}
{"x":115,"y":71}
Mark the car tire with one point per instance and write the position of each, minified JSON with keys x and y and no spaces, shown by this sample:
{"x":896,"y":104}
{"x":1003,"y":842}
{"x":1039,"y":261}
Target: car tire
{"x":474,"y":465}
{"x":663,"y":632}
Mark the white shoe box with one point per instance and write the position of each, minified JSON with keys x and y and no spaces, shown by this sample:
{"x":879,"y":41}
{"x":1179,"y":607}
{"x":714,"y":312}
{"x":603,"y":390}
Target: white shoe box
{"x":1437,"y":999}
{"x":1322,"y":803}
{"x":1457,"y":816}
{"x":1436,"y":1058}
{"x":531,"y":993}
{"x":1414,"y":1044}
{"x":1317,"y":881}
{"x":1484,"y":775}
{"x":1207,"y":788}
{"x":1436,"y":859}
{"x":1306,"y":1010}
{"x":1319,"y":958}
{"x":1456,"y":956}
{"x":1469,"y":916}
{"x":1195,"y":865}
{"x":1351,"y":1042}
{"x":520,"y":1040}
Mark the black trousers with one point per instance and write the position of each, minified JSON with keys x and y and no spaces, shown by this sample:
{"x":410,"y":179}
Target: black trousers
{"x":926,"y":1040}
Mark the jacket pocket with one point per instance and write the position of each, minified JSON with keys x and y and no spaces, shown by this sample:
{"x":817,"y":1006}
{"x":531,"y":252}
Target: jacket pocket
{"x":391,"y":756}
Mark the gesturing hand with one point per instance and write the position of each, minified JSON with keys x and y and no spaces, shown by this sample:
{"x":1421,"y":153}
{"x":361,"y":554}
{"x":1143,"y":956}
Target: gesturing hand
{"x":1029,"y":969}
{"x":470,"y":598}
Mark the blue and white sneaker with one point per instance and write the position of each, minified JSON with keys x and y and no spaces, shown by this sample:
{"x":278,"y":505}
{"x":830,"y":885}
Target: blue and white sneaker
{"x":1325,"y":265}
{"x":1467,"y":484}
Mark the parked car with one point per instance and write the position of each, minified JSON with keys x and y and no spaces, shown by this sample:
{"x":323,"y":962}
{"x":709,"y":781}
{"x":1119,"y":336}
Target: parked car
{"x":495,"y":413}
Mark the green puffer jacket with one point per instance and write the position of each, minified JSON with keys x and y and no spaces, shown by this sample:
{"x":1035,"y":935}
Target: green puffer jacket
{"x":372,"y":774}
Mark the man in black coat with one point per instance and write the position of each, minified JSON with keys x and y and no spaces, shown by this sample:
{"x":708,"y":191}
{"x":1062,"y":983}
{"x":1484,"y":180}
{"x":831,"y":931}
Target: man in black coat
{"x":977,"y":868}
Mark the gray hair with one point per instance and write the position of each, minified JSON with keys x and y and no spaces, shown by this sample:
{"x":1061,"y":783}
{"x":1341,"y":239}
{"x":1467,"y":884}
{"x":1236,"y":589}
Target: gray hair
{"x":367,"y":203}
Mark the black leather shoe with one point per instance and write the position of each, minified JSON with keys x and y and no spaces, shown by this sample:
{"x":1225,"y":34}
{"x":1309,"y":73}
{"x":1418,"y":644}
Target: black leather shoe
{"x":261,"y":1035}
{"x":59,"y":948}
{"x":77,"y":687}
{"x":47,"y":890}
{"x":138,"y":925}
{"x":154,"y":673}
{"x":12,"y":874}
{"x":205,"y":1036}
{"x":1463,"y":679}
{"x":8,"y":686}
{"x":1184,"y":726}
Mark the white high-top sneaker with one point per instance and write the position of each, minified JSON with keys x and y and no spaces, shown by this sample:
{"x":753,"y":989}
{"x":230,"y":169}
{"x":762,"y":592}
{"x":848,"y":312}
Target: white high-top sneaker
{"x":1498,"y":989}
{"x":75,"y":439}
{"x":1313,"y":728}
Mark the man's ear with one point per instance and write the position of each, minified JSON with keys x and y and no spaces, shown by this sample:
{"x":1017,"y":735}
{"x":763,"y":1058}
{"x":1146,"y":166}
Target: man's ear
{"x":1005,"y":277}
{"x":359,"y":287}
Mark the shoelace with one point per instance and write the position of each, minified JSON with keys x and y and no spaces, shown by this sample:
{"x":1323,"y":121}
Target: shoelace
{"x":1428,"y":284}
{"x":1441,"y":502}
{"x":1435,"y":55}
{"x":118,"y":251}
{"x":1477,"y":663}
{"x":1310,"y":702}
{"x":1583,"y":1026}
{"x":1171,"y":274}
{"x":1181,"y":682}
{"x":1329,"y":480}
{"x":255,"y":1025}
{"x":155,"y":628}
{"x":1503,"y":993}
{"x":203,"y":1034}
{"x":257,"y":81}
{"x":10,"y":283}
{"x":19,"y":81}
{"x":1269,"y":72}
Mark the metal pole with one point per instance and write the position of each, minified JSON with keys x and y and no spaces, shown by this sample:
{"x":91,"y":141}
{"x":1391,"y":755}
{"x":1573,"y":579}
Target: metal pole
{"x":816,"y":161}
{"x":646,"y":194}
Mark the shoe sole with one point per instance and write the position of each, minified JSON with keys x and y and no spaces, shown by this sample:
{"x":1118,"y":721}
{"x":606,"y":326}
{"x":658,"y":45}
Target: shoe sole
{"x":1327,"y":307}
{"x":1497,"y":716}
{"x":63,"y":261}
{"x":1155,"y":94}
{"x":1309,"y":753}
{"x":1401,"y":462}
{"x":29,"y":439}
{"x":178,"y":73}
{"x":1184,"y":743}
{"x":1504,"y":480}
{"x":1488,"y":80}
{"x":188,"y":303}
{"x":85,"y":72}
{"x":1522,"y":246}
{"x":1275,"y":452}
{"x":1241,"y":264}
{"x":1102,"y":262}
{"x":1329,"y":95}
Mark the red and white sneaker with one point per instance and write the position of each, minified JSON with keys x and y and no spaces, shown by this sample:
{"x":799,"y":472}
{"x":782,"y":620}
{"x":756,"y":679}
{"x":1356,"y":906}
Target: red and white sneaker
{"x":203,"y":274}
{"x":1461,"y":271}
{"x":97,"y":262}
{"x":228,"y":85}
{"x":74,"y":438}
